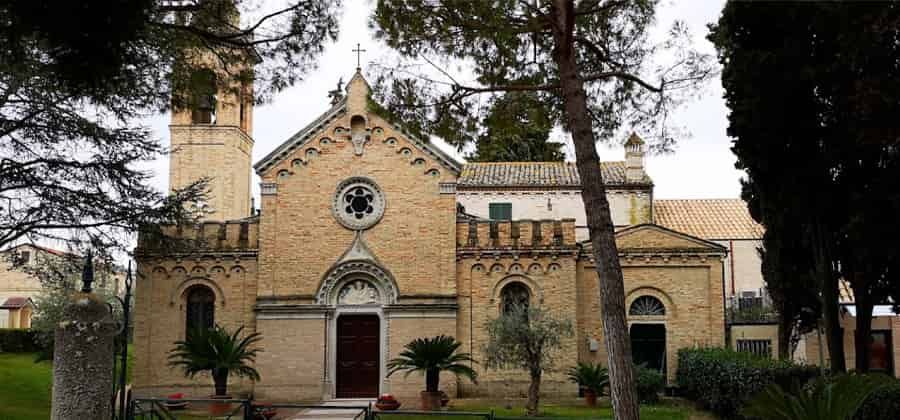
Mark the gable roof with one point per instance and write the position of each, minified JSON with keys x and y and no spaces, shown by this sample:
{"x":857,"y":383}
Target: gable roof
{"x":540,"y":174}
{"x":658,"y":237}
{"x":50,"y":251}
{"x":16,"y":302}
{"x":708,"y":218}
{"x":306,"y":134}
{"x":300,"y":138}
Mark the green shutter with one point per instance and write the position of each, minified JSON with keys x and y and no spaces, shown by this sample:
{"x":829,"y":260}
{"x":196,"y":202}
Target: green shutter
{"x":500,"y":211}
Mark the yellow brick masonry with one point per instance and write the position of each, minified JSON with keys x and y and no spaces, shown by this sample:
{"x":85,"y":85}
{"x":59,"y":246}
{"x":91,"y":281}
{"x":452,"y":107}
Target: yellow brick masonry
{"x":684,"y":273}
{"x":226,"y":263}
{"x":449,"y":274}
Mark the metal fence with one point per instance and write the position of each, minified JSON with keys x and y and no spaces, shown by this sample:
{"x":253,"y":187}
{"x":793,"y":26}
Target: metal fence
{"x":243,"y":409}
{"x":229,"y":409}
{"x":442,"y":415}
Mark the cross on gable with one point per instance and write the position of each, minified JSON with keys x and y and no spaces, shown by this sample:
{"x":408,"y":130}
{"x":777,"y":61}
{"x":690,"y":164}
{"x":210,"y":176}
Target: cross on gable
{"x":358,"y":52}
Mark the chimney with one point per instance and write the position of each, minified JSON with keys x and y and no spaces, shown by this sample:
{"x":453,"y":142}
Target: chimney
{"x":634,"y":159}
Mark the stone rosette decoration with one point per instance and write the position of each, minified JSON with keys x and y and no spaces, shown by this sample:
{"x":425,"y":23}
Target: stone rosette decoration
{"x":358,"y":203}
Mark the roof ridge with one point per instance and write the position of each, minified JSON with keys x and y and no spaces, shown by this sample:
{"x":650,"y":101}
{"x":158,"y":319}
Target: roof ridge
{"x":700,"y":199}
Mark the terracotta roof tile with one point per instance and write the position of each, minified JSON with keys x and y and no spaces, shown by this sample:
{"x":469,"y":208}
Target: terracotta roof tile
{"x":538,"y":174}
{"x":15,"y":302}
{"x":708,"y":218}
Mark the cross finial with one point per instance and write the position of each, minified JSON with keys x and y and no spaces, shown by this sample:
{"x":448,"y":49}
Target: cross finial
{"x":358,"y":52}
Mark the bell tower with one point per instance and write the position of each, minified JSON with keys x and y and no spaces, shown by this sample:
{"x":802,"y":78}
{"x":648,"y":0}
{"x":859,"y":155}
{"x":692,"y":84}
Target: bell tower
{"x":211,"y":138}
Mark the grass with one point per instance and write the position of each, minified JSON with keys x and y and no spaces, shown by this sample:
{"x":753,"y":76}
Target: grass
{"x":24,"y":387}
{"x":565,"y":409}
{"x":25,"y":395}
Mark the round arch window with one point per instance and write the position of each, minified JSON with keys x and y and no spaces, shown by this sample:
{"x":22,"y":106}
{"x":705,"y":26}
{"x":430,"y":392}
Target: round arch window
{"x":513,"y":295}
{"x":201,"y":308}
{"x":358,"y":203}
{"x":647,"y":306}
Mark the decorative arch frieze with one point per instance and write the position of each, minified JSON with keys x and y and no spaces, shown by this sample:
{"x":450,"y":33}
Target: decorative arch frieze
{"x":349,"y":272}
{"x":178,"y":292}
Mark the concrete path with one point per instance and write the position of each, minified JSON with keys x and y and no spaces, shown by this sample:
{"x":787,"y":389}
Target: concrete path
{"x":334,"y":413}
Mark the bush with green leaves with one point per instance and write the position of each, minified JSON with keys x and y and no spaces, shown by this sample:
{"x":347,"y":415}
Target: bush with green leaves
{"x":650,"y":383}
{"x":17,"y":341}
{"x":827,"y":398}
{"x":723,"y":380}
{"x":882,"y":404}
{"x":526,"y":338}
{"x":590,"y":376}
{"x":218,"y":352}
{"x":431,"y":356}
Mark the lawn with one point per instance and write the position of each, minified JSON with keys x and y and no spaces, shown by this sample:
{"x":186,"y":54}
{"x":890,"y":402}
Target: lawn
{"x":568,"y":409}
{"x":25,"y":386}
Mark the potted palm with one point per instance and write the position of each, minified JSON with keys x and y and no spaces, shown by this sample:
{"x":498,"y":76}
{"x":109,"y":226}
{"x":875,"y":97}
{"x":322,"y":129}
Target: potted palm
{"x":431,"y":356}
{"x":220,"y":353}
{"x":592,"y":378}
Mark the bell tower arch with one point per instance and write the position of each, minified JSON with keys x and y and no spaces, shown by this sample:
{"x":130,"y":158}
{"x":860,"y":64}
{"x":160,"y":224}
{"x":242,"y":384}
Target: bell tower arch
{"x":210,"y":131}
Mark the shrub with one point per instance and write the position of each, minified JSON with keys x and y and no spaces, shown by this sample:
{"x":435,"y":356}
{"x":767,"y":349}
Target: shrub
{"x":883,"y":404}
{"x":589,"y":376}
{"x":723,"y":380}
{"x":650,"y":383}
{"x":18,"y":341}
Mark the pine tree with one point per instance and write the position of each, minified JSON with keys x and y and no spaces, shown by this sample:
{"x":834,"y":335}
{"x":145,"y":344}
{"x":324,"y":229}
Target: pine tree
{"x":517,"y":129}
{"x":586,"y":60}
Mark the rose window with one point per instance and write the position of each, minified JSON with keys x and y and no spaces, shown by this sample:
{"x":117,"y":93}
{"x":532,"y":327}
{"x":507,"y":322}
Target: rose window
{"x":358,"y":203}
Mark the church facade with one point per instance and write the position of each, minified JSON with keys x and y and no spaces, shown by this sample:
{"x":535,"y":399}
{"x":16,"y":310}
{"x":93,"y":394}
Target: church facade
{"x":363,"y":243}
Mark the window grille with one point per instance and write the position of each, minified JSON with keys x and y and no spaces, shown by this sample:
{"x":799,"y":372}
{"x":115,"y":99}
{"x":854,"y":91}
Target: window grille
{"x":758,"y":347}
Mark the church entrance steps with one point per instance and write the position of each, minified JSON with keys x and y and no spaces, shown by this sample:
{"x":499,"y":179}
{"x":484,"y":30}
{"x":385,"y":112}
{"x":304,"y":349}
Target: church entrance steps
{"x":341,"y":409}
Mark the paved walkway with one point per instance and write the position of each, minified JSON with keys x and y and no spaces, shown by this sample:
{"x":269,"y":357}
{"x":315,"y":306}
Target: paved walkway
{"x":333,"y":413}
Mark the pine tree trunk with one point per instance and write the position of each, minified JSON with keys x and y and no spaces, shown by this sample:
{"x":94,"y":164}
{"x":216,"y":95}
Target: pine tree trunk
{"x":599,"y":220}
{"x":825,"y":276}
{"x":534,"y":395}
{"x":863,"y":300}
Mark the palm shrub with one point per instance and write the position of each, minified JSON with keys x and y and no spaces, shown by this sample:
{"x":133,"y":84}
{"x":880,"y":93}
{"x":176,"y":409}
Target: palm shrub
{"x":590,"y":376}
{"x":836,"y":398}
{"x":218,"y":352}
{"x":432,"y":356}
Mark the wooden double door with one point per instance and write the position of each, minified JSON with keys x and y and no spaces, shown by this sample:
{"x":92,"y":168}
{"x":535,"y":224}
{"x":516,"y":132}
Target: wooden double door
{"x":358,"y":349}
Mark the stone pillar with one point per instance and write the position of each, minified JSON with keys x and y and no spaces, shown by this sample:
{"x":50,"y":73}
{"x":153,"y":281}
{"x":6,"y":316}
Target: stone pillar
{"x":83,"y":360}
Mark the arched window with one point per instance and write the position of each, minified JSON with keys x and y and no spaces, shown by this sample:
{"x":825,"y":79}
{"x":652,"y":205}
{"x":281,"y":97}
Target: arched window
{"x":201,"y":304}
{"x":514,"y":294}
{"x":647,"y":305}
{"x":203,"y":104}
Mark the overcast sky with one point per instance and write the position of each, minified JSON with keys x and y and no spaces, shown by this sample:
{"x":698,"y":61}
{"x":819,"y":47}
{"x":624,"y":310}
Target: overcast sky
{"x":702,"y":165}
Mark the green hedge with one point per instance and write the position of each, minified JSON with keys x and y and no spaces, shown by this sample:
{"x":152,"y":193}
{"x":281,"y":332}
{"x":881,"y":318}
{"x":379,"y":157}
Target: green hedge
{"x":650,"y":383}
{"x":883,"y":404}
{"x":723,"y":380}
{"x":18,"y":341}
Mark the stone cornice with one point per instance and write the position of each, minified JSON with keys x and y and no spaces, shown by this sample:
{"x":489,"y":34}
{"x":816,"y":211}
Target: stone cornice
{"x":198,"y":127}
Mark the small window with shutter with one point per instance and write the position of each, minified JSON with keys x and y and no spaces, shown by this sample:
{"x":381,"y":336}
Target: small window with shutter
{"x":500,"y":211}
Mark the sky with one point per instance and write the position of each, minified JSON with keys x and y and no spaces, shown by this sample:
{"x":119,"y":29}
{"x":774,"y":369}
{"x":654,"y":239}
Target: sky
{"x":701,"y":165}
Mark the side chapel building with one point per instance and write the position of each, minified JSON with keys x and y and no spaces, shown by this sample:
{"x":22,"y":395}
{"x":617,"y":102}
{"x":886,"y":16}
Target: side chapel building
{"x":368,"y":238}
